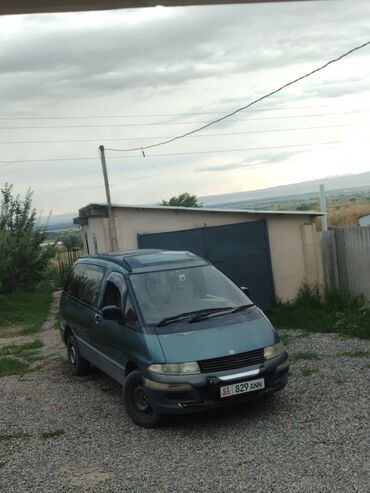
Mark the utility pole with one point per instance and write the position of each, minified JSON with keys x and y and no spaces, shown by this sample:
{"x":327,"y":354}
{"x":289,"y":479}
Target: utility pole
{"x":324,"y":218}
{"x":111,"y":223}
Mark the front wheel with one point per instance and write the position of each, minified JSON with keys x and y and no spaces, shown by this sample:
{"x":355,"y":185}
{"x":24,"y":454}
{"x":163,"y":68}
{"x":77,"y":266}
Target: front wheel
{"x":137,"y":403}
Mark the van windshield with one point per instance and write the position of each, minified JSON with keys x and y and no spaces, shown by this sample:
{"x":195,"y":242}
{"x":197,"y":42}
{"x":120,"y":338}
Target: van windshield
{"x":163,"y":294}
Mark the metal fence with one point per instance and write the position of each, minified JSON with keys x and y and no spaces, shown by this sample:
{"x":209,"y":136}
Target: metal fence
{"x":66,"y":258}
{"x":346,"y":255}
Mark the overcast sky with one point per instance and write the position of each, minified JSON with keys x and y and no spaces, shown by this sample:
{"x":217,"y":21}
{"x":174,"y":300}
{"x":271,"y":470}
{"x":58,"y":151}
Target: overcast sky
{"x":138,"y":76}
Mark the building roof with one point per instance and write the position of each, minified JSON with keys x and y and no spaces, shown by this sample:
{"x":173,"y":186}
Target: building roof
{"x":101,"y":210}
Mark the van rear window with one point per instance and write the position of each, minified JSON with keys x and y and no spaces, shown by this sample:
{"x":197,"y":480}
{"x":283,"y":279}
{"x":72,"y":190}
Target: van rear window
{"x":84,"y":281}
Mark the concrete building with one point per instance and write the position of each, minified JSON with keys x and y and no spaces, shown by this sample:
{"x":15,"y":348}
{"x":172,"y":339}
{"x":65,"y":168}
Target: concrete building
{"x":272,"y":252}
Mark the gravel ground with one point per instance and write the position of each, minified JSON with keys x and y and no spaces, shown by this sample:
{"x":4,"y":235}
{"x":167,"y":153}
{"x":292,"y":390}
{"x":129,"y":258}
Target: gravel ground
{"x":312,"y":437}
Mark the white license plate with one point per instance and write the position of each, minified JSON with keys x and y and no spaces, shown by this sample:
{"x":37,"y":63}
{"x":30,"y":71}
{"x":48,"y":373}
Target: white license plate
{"x":242,"y":387}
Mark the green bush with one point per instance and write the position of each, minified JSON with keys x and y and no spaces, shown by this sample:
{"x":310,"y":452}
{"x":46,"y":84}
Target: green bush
{"x":23,"y":259}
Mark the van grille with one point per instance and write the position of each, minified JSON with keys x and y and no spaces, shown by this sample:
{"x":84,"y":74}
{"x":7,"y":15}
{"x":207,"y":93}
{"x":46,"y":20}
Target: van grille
{"x":231,"y":362}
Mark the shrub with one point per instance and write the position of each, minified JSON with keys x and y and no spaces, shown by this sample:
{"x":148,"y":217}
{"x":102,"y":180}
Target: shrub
{"x":23,"y":259}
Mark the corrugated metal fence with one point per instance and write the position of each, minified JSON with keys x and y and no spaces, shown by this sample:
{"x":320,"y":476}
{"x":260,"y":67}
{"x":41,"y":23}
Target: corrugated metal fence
{"x":346,"y":255}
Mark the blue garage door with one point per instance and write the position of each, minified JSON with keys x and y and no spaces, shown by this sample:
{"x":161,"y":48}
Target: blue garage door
{"x":241,"y":251}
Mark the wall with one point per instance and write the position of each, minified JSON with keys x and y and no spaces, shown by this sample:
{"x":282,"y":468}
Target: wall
{"x":292,"y":258}
{"x":294,"y":242}
{"x":346,"y":254}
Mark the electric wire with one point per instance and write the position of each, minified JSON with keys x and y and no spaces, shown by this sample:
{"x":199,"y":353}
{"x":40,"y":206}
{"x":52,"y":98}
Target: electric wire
{"x":155,"y":115}
{"x":158,"y":124}
{"x":317,"y":144}
{"x":243,"y":108}
{"x":205,"y":135}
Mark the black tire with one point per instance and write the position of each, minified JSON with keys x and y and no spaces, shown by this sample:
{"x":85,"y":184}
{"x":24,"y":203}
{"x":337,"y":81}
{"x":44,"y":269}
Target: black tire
{"x":78,"y":365}
{"x":136,"y":402}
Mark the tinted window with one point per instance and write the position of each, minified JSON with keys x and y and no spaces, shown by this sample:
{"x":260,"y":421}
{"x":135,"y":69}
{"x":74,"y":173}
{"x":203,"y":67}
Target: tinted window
{"x":90,"y":283}
{"x":74,"y":279}
{"x":130,"y":312}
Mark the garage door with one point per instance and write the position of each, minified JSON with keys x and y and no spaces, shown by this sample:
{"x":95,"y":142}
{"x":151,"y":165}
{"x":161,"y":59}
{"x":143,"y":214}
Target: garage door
{"x":241,"y":251}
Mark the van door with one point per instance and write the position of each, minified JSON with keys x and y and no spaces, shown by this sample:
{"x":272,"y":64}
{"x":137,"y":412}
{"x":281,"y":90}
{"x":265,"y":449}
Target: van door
{"x":86,"y":305}
{"x":118,"y":341}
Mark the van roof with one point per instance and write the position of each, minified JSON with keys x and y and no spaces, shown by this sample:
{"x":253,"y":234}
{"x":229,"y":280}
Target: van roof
{"x":150,"y":260}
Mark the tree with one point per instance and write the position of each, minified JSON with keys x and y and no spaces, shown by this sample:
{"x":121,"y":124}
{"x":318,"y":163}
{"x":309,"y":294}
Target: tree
{"x":70,"y":239}
{"x":23,"y":259}
{"x":182,"y":200}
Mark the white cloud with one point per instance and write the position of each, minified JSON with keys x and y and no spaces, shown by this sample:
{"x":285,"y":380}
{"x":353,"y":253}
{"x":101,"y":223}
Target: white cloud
{"x":183,"y":60}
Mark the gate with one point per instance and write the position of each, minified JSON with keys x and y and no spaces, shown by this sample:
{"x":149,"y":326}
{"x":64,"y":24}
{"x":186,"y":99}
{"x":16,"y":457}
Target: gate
{"x":66,"y":258}
{"x":241,"y":251}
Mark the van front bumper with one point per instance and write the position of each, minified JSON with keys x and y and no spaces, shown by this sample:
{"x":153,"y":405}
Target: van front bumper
{"x":203,"y":390}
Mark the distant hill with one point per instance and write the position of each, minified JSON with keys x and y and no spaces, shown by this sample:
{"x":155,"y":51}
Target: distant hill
{"x":343,"y":183}
{"x":61,"y":222}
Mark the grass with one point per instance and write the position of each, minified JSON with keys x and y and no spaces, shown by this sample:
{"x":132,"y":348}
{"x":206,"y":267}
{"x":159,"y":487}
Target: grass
{"x":4,"y":438}
{"x":331,"y":311}
{"x":339,"y":381}
{"x":2,"y":464}
{"x":27,"y":308}
{"x":11,"y":366}
{"x":52,"y":434}
{"x":304,"y":356}
{"x":18,"y":349}
{"x":307,"y":372}
{"x":356,"y":354}
{"x":30,"y":308}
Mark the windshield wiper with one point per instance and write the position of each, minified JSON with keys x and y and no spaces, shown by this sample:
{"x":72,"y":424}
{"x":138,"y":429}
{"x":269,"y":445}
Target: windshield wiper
{"x":174,"y":318}
{"x":193,"y":314}
{"x":218,"y":312}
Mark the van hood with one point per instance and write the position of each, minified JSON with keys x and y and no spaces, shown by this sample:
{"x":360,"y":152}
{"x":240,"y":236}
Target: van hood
{"x":209,"y":341}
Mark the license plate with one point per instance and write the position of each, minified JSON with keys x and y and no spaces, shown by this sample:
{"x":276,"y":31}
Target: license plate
{"x":242,"y":387}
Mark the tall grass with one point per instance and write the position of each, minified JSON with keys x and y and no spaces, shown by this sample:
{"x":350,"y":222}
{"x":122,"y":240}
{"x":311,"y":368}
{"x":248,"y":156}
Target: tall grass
{"x":329,"y":311}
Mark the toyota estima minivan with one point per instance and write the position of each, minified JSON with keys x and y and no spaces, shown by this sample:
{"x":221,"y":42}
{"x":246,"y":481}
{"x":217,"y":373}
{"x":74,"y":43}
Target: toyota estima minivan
{"x":172,"y":329}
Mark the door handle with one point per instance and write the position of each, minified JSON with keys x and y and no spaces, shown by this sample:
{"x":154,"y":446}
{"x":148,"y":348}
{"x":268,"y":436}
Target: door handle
{"x":98,"y":318}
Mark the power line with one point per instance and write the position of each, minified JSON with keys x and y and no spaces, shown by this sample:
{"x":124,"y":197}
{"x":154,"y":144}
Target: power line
{"x":218,"y":120}
{"x":155,"y":115}
{"x":158,"y":124}
{"x":218,"y":134}
{"x":20,"y":161}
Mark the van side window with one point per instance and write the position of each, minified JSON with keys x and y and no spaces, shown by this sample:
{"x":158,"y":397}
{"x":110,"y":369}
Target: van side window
{"x":90,"y":283}
{"x":112,"y":295}
{"x":130,"y":312}
{"x":74,"y":278}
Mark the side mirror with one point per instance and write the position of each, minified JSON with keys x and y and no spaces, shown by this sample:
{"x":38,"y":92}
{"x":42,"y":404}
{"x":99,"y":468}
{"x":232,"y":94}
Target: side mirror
{"x":112,"y":312}
{"x":245,"y":290}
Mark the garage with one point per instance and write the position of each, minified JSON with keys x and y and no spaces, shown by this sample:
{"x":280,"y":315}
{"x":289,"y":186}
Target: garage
{"x":241,"y":251}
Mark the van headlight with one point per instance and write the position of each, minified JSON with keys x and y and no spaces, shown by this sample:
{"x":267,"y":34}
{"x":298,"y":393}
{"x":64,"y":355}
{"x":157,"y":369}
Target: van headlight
{"x":176,"y":368}
{"x":273,"y":351}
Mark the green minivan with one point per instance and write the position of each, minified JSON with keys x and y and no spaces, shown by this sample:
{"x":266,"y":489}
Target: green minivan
{"x":178,"y":334}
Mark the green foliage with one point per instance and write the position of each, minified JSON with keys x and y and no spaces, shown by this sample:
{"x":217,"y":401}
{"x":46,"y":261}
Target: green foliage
{"x":5,"y":438}
{"x":304,"y":356}
{"x":11,"y":366}
{"x":16,"y":349}
{"x":330,"y":311}
{"x":52,"y":434}
{"x":26,"y":308}
{"x":70,"y":239}
{"x":307,"y":372}
{"x":23,"y":259}
{"x":182,"y":200}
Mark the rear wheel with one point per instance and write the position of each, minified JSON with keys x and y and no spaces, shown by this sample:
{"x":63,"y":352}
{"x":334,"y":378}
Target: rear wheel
{"x":78,"y":365}
{"x":137,"y":403}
